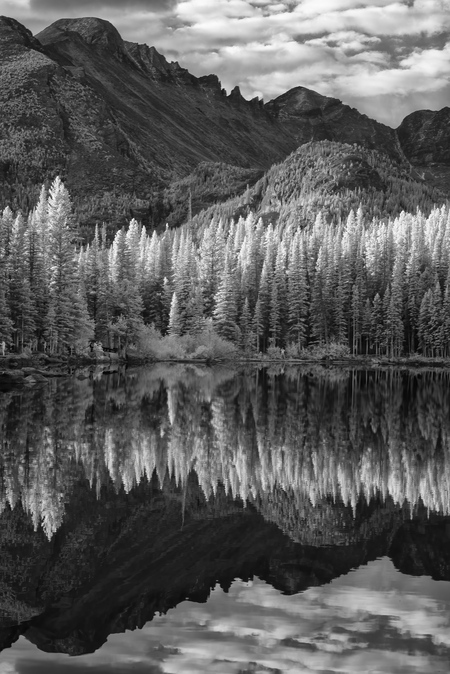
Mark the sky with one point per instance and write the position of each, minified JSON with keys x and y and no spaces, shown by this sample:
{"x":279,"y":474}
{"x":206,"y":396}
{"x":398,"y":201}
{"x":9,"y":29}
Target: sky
{"x":374,"y":619}
{"x":385,"y":57}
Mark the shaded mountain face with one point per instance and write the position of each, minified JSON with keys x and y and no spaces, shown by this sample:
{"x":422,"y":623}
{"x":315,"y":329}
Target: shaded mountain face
{"x":119,"y":123}
{"x":425,"y":139}
{"x":307,"y":115}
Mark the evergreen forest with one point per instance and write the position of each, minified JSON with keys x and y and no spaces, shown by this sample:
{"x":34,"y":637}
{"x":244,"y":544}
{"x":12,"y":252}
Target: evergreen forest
{"x":360,"y":285}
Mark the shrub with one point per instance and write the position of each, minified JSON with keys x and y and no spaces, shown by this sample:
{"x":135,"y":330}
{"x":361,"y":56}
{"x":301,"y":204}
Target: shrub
{"x":294,"y":350}
{"x":206,"y":345}
{"x":275,"y":353}
{"x":330,"y":350}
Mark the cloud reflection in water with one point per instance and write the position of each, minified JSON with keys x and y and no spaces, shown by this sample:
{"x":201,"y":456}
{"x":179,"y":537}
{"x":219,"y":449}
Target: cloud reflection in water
{"x":375,"y":619}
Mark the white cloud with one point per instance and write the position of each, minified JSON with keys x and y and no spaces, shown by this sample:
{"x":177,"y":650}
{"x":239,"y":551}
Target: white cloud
{"x":430,"y":62}
{"x":346,"y":40}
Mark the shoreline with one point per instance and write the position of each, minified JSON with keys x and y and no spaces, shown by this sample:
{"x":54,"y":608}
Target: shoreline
{"x":20,"y":370}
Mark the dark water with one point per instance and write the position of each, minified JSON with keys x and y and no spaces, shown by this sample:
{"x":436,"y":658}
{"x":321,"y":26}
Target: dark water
{"x":245,"y":522}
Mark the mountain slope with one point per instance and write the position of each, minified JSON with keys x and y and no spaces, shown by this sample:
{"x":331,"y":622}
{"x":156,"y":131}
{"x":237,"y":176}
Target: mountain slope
{"x":120,"y":124}
{"x":332,"y":178}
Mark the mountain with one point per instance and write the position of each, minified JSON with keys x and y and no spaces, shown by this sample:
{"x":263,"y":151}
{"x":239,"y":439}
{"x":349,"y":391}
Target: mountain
{"x":120,"y":125}
{"x":332,"y":178}
{"x":307,"y":115}
{"x":425,"y":138}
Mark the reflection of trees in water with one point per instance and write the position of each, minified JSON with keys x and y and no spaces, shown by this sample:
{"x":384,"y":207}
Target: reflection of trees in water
{"x":284,"y":442}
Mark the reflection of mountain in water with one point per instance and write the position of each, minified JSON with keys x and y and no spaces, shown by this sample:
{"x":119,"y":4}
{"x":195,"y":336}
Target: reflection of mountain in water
{"x":357,"y":464}
{"x":280,"y":442}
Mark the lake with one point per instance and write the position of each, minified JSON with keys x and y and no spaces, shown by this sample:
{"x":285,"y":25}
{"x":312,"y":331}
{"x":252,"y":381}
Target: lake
{"x":190,"y":520}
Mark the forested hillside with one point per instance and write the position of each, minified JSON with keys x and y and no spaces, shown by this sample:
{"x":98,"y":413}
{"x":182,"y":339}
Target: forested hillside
{"x":334,"y":178}
{"x":370,"y":286}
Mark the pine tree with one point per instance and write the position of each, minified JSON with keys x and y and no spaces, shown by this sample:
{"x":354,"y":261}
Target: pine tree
{"x":356,"y":313}
{"x":425,"y":335}
{"x":104,"y":305}
{"x":396,"y":308}
{"x":194,"y":319}
{"x":246,"y":327}
{"x":436,"y":322}
{"x":6,"y":323}
{"x":446,"y":317}
{"x":84,"y":326}
{"x":278,"y":299}
{"x":21,"y":304}
{"x":39,"y":266}
{"x":175,"y":320}
{"x":377,"y":324}
{"x":63,"y":283}
{"x":297,"y":295}
{"x":225,"y":312}
{"x":262,"y":309}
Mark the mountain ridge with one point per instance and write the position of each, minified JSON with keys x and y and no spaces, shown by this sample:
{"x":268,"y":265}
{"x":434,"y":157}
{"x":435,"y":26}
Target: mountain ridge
{"x":120,"y":123}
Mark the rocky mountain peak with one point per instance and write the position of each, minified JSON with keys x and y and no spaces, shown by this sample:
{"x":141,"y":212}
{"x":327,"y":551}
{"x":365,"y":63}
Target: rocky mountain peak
{"x":95,"y":32}
{"x":13,"y":34}
{"x":236,"y":96}
{"x":301,"y":100}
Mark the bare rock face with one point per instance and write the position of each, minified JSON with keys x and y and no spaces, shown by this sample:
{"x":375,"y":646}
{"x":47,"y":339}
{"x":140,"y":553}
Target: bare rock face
{"x":98,"y":33}
{"x":425,"y":139}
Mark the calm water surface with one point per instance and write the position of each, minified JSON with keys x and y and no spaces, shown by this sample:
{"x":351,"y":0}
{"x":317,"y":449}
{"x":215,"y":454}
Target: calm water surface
{"x":179,"y":519}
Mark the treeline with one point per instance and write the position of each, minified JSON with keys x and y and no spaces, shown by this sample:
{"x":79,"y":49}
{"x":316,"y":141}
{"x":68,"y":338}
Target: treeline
{"x":368,"y":286}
